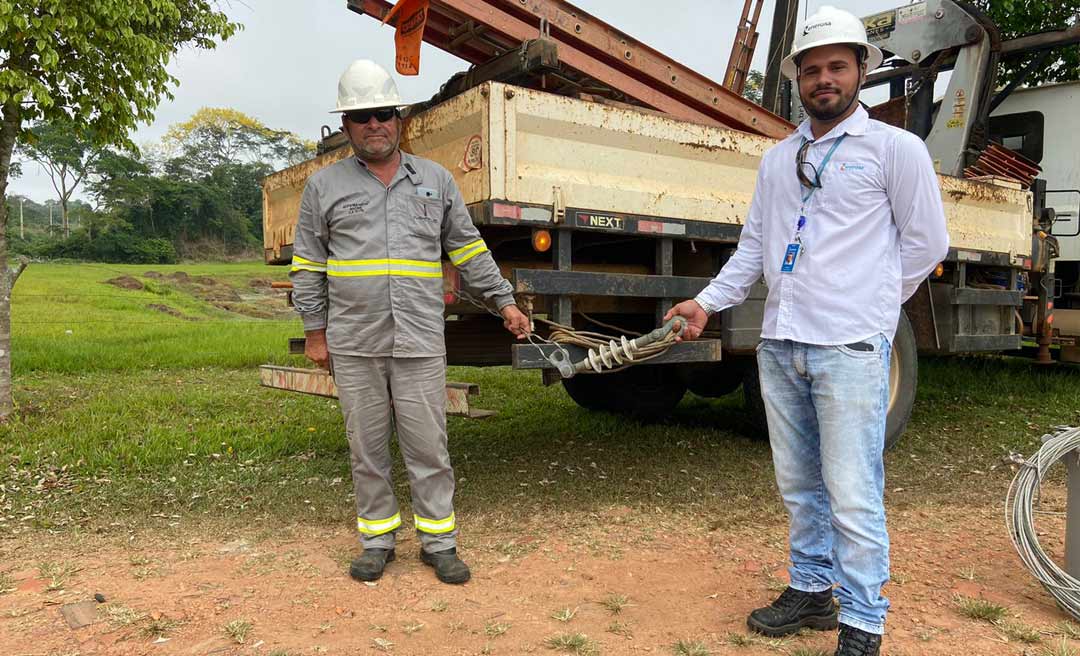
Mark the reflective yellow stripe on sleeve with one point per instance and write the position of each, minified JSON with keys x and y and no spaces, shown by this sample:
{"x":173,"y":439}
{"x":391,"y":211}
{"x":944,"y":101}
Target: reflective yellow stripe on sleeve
{"x":404,"y":268}
{"x":467,"y":252}
{"x":378,"y":526}
{"x":301,"y":264}
{"x":435,"y":525}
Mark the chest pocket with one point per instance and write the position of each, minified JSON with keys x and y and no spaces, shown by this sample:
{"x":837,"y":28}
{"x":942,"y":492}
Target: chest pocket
{"x":854,"y":178}
{"x":350,"y":215}
{"x":422,"y":229}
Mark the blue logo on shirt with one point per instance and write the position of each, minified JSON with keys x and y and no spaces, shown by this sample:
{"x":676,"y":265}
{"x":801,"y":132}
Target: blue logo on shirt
{"x":851,"y":166}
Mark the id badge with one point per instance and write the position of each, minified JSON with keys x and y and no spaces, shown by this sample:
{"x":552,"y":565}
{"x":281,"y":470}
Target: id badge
{"x":790,"y":258}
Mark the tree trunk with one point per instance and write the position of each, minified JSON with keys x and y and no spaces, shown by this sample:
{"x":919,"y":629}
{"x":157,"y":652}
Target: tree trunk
{"x":64,"y":217}
{"x":9,"y":125}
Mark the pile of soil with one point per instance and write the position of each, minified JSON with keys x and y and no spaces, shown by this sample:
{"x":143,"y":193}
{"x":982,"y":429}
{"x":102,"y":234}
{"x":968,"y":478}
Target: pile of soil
{"x":125,"y":282}
{"x":172,"y":312}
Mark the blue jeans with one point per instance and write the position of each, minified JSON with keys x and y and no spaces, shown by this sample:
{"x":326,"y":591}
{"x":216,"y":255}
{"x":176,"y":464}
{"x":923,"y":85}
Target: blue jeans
{"x":826,"y":408}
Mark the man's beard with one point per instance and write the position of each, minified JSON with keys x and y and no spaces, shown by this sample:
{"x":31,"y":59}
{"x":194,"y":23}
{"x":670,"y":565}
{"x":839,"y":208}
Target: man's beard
{"x":369,"y":155}
{"x":833,"y":110}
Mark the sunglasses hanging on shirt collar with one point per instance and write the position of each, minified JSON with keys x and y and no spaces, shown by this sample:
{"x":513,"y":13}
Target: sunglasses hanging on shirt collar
{"x":382,"y":114}
{"x":802,"y":166}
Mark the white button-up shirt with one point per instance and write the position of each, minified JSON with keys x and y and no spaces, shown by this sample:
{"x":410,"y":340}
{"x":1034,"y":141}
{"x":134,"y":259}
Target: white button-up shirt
{"x":873,"y":232}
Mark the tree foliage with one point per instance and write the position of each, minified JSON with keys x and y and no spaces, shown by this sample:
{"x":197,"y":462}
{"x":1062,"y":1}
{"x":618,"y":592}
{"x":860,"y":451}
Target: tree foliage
{"x":205,"y":200}
{"x":99,"y":64}
{"x":66,"y":156}
{"x":216,"y":136}
{"x":755,"y":83}
{"x":1016,"y":18}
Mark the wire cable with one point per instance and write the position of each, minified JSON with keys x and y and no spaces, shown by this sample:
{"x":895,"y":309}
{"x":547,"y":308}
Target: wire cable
{"x":603,"y":351}
{"x":1020,"y":502}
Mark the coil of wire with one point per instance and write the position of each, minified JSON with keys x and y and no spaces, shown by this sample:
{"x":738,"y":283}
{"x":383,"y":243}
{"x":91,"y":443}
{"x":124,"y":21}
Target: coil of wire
{"x":1020,"y":503}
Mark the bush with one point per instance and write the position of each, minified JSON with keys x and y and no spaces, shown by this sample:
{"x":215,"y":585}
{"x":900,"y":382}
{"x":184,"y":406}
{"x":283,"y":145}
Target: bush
{"x":117,"y":246}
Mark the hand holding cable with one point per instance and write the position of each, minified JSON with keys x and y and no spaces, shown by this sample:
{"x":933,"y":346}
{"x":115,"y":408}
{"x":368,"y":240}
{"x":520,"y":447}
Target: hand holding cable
{"x":695,"y":317}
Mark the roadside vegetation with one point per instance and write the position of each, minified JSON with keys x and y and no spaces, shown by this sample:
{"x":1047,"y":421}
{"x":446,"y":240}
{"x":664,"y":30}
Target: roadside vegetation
{"x":132,"y":415}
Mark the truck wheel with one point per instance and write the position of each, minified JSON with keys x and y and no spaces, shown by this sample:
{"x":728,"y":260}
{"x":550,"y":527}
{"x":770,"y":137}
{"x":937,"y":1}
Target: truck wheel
{"x":643,"y":392}
{"x":591,"y":392}
{"x":903,"y":381}
{"x":713,"y":380}
{"x":756,"y":426}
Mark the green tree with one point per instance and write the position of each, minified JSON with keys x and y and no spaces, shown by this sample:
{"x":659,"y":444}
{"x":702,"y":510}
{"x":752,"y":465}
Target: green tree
{"x":1016,"y":18}
{"x":215,"y":136}
{"x":66,"y":156}
{"x":755,"y":81}
{"x":99,"y":64}
{"x":123,"y":187}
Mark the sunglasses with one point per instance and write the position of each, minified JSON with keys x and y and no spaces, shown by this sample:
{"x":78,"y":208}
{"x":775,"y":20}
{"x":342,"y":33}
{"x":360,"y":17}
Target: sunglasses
{"x":801,"y":167}
{"x":382,"y":114}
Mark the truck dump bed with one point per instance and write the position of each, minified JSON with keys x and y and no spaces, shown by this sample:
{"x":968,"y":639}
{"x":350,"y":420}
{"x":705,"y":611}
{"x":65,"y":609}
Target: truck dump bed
{"x":545,"y":153}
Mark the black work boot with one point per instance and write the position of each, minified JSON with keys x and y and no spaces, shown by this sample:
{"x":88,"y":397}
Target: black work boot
{"x":856,"y":642}
{"x":793,"y":610}
{"x":448,"y":567}
{"x":369,"y":565}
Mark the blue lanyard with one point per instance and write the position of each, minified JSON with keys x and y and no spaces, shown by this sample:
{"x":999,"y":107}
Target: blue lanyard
{"x":824,"y":163}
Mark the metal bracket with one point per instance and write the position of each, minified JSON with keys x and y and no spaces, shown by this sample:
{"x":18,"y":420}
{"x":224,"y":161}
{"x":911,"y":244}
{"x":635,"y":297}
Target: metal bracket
{"x":560,"y":359}
{"x":558,"y":206}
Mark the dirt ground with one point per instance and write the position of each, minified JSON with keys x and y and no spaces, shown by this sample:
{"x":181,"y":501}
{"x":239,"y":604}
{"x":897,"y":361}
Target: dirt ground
{"x":291,"y":588}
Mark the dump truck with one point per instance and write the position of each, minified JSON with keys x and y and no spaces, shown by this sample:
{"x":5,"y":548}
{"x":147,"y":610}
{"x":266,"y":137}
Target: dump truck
{"x":606,"y":200}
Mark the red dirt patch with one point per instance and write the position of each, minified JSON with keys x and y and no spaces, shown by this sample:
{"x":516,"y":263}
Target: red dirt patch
{"x":125,"y":282}
{"x":173,"y":312}
{"x":684,"y":584}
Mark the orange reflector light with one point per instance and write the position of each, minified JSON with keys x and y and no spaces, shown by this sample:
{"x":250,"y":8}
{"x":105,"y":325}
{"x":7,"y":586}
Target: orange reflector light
{"x":939,"y":270}
{"x":541,"y":240}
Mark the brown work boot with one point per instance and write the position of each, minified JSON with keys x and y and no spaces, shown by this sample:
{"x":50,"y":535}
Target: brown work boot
{"x":369,"y":565}
{"x":448,"y":567}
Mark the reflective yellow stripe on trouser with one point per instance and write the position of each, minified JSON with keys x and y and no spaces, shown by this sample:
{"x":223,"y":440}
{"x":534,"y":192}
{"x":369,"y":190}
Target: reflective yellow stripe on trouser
{"x":378,"y":526}
{"x":467,"y":252}
{"x":301,"y":264}
{"x":435,"y":525}
{"x":404,"y":268}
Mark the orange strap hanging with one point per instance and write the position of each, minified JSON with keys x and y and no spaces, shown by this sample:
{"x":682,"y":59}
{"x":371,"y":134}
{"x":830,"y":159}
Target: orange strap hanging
{"x":409,"y":34}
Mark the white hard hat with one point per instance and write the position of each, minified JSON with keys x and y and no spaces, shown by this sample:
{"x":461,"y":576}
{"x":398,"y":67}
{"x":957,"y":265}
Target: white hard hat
{"x":366,"y":85}
{"x":829,"y":26}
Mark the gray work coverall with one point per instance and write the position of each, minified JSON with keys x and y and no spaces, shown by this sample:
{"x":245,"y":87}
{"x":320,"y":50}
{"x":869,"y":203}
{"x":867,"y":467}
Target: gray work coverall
{"x":366,"y":268}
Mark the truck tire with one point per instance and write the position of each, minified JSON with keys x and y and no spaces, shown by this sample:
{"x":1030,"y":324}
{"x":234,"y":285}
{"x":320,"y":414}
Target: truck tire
{"x":643,"y":392}
{"x":591,"y":392}
{"x":903,"y":382}
{"x":755,"y":425}
{"x":713,"y":380}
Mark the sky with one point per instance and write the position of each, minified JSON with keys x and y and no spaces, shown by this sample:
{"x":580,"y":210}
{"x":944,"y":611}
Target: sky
{"x":283,"y":67}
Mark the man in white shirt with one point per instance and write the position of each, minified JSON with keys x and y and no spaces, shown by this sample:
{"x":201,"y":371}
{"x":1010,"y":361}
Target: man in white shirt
{"x":846,"y":223}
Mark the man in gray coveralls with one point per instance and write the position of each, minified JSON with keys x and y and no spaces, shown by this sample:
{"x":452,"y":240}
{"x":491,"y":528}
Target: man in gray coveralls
{"x":367,"y":281}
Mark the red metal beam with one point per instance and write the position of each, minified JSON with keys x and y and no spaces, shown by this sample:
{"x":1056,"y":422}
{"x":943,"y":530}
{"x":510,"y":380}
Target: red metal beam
{"x":596,"y":38}
{"x":595,"y":50}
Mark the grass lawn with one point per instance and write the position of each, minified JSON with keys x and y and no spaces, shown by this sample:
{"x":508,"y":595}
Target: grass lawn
{"x":129,"y":414}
